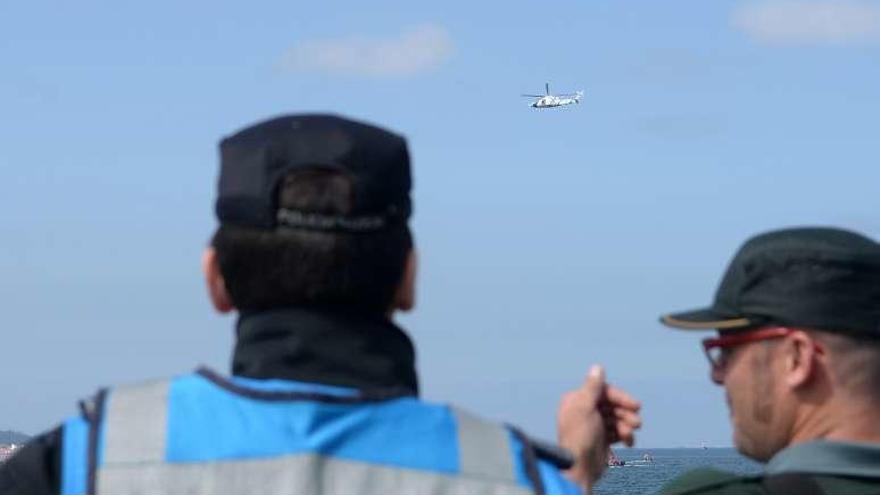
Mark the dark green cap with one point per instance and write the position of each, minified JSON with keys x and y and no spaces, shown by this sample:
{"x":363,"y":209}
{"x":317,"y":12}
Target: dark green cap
{"x":813,"y":277}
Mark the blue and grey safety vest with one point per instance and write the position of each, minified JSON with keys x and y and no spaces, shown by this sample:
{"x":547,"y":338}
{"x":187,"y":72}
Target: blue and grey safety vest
{"x":202,"y":434}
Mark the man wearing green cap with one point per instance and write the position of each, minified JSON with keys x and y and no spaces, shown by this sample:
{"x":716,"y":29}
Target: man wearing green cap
{"x":798,"y":355}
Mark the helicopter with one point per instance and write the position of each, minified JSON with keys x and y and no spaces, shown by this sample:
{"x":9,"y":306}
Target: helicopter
{"x":550,"y":101}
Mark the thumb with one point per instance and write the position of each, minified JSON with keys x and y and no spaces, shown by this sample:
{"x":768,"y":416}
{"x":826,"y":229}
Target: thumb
{"x":595,"y":382}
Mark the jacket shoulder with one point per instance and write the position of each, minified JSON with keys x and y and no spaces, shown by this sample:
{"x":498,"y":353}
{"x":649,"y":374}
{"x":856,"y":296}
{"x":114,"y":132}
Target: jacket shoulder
{"x":855,"y":486}
{"x":707,"y":481}
{"x":35,"y":468}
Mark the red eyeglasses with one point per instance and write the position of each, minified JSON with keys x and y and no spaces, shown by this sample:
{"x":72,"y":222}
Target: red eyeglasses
{"x":718,"y":349}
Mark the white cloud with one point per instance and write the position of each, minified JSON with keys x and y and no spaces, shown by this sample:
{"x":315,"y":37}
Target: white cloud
{"x":806,"y":22}
{"x":417,"y":50}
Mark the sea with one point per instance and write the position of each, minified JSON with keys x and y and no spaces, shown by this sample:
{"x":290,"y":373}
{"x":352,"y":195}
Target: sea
{"x":646,"y":478}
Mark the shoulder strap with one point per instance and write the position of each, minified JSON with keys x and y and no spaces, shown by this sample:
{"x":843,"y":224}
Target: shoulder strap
{"x":559,"y":457}
{"x":529,"y":460}
{"x":92,"y":410}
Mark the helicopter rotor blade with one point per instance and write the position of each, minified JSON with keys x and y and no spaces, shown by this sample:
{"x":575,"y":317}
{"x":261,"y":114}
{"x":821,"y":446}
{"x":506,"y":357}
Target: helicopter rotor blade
{"x":547,"y":88}
{"x":534,"y":96}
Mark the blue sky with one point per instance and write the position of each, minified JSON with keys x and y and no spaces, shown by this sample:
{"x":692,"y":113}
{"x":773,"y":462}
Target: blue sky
{"x":549,"y":240}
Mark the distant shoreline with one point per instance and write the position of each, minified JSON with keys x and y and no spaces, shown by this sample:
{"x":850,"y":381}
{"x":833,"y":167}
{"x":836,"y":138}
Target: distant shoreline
{"x":8,"y":437}
{"x":625,"y":449}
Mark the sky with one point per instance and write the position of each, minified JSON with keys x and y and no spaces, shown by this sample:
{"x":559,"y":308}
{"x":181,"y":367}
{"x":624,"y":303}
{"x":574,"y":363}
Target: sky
{"x":549,"y":240}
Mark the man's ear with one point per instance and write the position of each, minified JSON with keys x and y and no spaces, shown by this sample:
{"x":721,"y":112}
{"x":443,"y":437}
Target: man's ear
{"x":800,"y":359}
{"x":405,"y":297}
{"x":215,"y":283}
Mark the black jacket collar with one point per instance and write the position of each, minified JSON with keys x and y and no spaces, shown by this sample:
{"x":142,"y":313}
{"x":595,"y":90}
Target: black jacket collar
{"x":365,"y":352}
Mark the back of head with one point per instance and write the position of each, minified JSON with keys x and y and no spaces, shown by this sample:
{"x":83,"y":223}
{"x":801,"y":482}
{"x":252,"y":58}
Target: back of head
{"x":313,"y":212}
{"x":854,"y":363}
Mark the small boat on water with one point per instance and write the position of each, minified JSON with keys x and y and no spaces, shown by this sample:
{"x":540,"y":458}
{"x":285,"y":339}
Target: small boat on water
{"x":613,"y":460}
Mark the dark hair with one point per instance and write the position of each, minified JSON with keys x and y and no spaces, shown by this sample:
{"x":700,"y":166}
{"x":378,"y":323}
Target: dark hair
{"x":269,"y":269}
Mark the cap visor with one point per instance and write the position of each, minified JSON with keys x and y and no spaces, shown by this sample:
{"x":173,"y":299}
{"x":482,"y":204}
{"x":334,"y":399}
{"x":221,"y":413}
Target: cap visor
{"x":704,"y":319}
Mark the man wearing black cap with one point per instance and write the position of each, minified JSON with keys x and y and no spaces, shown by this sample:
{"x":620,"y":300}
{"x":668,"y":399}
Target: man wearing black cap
{"x":798,"y":355}
{"x":315,"y":253}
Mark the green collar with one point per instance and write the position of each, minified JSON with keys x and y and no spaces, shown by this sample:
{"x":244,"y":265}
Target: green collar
{"x":828,"y":457}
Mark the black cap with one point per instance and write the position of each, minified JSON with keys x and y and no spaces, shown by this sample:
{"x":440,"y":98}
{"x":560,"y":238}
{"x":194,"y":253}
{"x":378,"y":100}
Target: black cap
{"x":254,"y":160}
{"x":821,"y":278}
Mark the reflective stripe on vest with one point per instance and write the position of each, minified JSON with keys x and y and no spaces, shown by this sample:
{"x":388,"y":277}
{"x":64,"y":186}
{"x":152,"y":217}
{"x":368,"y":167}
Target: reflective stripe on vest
{"x":134,"y":424}
{"x":298,"y":474}
{"x":483,"y":448}
{"x":133,"y":461}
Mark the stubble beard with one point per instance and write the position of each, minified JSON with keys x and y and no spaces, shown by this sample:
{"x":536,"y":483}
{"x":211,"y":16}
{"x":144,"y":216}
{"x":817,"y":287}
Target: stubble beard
{"x":763,"y":410}
{"x":752,"y":425}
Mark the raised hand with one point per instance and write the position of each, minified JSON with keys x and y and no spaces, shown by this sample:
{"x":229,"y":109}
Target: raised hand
{"x":590,"y":420}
